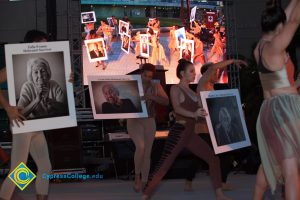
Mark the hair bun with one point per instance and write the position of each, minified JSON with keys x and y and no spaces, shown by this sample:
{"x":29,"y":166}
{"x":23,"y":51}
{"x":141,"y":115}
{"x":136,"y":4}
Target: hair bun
{"x":273,"y":3}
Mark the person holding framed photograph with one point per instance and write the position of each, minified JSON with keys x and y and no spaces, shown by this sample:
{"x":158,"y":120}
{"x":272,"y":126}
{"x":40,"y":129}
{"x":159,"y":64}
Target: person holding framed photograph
{"x":25,"y":143}
{"x":142,"y":130}
{"x":278,"y":124}
{"x":210,"y":75}
{"x":186,"y":104}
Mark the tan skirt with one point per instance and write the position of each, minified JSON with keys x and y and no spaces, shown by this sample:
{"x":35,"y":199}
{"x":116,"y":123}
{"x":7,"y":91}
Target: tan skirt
{"x":278,"y":134}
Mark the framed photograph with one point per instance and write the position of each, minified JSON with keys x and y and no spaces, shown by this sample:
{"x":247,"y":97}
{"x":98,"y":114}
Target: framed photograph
{"x":96,"y":50}
{"x":180,"y":35}
{"x":123,"y":27}
{"x":193,"y":14}
{"x":88,"y":17}
{"x":225,"y":120}
{"x":117,"y":97}
{"x":37,"y":75}
{"x":187,"y":50}
{"x":126,"y":39}
{"x":144,"y":45}
{"x":110,"y":22}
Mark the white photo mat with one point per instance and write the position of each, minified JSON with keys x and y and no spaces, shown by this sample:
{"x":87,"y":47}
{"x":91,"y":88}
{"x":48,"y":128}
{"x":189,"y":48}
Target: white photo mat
{"x":180,"y":35}
{"x":124,"y":38}
{"x":88,"y":13}
{"x":230,"y":101}
{"x":98,"y":42}
{"x":190,"y":44}
{"x":123,"y":83}
{"x":123,"y":24}
{"x":144,"y":45}
{"x":30,"y":50}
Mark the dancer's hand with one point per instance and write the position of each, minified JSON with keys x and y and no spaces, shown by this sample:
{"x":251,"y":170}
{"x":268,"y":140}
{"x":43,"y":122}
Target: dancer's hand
{"x":14,"y":115}
{"x":240,"y":63}
{"x":200,"y":112}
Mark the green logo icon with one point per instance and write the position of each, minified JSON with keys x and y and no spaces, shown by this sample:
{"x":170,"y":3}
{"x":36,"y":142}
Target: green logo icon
{"x":22,"y":176}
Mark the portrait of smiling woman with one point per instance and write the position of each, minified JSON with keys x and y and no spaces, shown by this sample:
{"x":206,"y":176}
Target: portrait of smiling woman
{"x":40,"y":96}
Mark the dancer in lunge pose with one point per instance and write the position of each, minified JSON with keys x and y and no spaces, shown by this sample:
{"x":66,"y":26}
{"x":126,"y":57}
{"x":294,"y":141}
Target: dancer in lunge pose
{"x":186,"y":106}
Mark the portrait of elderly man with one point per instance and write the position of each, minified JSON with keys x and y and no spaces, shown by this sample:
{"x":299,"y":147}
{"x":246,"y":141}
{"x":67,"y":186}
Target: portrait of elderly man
{"x":41,"y":97}
{"x":113,"y":103}
{"x":227,"y":131}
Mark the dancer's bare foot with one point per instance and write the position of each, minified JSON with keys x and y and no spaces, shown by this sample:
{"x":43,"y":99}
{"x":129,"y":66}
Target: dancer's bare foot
{"x":145,"y":197}
{"x":137,"y":183}
{"x":220,"y":195}
{"x":227,"y":187}
{"x":188,"y":186}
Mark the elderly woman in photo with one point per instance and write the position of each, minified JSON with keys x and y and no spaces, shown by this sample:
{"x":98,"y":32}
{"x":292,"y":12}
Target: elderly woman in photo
{"x":41,"y":97}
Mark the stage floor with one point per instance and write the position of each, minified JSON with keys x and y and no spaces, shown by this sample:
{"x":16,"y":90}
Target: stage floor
{"x":171,"y":189}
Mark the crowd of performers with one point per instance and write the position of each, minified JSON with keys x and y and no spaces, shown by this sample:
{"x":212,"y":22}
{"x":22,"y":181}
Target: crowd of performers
{"x":278,"y":125}
{"x":209,"y":44}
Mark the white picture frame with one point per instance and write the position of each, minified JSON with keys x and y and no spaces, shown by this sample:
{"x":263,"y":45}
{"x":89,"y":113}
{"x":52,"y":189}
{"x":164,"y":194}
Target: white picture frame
{"x":123,"y":27}
{"x":193,"y":14}
{"x":88,"y":17}
{"x":187,"y":50}
{"x":180,"y":35}
{"x":144,"y":45}
{"x":128,"y":88}
{"x":96,"y":49}
{"x":110,"y":22}
{"x":225,"y":113}
{"x":54,"y":109}
{"x":125,"y":45}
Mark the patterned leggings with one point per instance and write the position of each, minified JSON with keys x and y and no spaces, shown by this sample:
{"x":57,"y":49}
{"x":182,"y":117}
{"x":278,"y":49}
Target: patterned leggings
{"x":183,"y":136}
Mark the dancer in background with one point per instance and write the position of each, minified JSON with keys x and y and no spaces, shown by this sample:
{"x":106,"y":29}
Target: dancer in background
{"x":278,"y":124}
{"x":158,"y":53}
{"x":210,"y":76}
{"x":107,"y":32}
{"x":142,"y":130}
{"x":216,"y":53}
{"x":172,"y":40}
{"x":93,"y":35}
{"x":186,"y":106}
{"x":198,"y":48}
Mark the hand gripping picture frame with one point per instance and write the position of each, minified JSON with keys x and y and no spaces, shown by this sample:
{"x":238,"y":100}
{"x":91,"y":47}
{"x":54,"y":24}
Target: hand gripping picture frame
{"x":37,"y":75}
{"x":225,"y":120}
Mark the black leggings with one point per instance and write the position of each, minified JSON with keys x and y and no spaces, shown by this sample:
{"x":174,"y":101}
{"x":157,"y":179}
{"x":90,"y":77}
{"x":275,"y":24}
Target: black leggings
{"x":225,"y":162}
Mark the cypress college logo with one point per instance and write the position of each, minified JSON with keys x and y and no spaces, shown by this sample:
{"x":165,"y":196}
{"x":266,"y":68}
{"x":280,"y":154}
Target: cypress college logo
{"x":22,"y":176}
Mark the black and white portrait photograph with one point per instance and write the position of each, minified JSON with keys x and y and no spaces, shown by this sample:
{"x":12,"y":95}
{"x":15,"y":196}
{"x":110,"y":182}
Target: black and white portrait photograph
{"x":96,"y":50}
{"x":88,"y":17}
{"x":116,"y":97}
{"x":187,"y":50}
{"x":225,"y":120}
{"x":144,"y":45}
{"x":123,"y":27}
{"x":125,"y":46}
{"x":38,"y":81}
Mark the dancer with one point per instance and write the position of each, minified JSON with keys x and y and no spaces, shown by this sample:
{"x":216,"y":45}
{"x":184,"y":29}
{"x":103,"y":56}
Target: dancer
{"x":172,"y":40}
{"x":198,"y":49}
{"x":142,"y":130}
{"x":107,"y":32}
{"x":23,"y":143}
{"x":158,"y":53}
{"x":186,"y":106}
{"x":216,"y":53}
{"x":93,"y":35}
{"x":210,"y":76}
{"x":278,"y":123}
